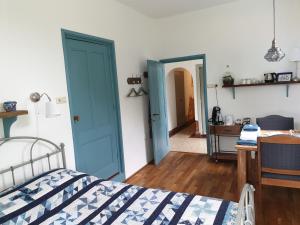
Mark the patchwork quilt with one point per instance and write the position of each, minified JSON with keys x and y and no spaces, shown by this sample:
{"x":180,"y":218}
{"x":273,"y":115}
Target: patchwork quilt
{"x":69,"y":197}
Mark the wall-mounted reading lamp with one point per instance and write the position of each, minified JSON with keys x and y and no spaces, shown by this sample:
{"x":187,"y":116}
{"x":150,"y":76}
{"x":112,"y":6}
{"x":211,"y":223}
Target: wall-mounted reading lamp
{"x":51,"y":109}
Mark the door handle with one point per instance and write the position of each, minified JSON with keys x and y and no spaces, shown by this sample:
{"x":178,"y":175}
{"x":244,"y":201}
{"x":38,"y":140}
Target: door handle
{"x":155,"y":114}
{"x":76,"y":118}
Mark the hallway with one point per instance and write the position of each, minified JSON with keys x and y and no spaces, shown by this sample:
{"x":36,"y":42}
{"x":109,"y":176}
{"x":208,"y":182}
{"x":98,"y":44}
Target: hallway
{"x":184,"y":142}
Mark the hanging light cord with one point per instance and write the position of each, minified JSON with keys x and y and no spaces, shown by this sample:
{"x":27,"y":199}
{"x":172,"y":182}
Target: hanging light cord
{"x":274,"y":19}
{"x":217,"y":99}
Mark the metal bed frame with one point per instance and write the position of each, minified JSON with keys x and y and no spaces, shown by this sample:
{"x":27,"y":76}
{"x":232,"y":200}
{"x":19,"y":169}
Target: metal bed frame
{"x":57,"y":150}
{"x":246,"y":211}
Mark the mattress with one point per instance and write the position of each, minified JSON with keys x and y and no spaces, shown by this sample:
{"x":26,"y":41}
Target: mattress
{"x":70,"y":197}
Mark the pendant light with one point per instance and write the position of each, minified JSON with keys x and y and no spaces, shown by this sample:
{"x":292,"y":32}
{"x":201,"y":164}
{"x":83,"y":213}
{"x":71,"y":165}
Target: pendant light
{"x":274,"y":54}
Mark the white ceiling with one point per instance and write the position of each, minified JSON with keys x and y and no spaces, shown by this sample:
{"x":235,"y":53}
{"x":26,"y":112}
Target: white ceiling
{"x":165,"y":8}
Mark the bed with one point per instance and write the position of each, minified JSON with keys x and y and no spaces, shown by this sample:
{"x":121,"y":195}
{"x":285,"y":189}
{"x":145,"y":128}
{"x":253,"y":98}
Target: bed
{"x":62,"y":196}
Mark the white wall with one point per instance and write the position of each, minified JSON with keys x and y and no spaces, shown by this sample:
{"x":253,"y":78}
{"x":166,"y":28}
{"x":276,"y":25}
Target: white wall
{"x":239,"y":34}
{"x":32,"y":60}
{"x":190,"y":66}
{"x":171,"y":100}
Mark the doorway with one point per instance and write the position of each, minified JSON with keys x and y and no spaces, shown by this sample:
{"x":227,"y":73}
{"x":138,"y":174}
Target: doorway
{"x":159,"y":117}
{"x":94,"y":105}
{"x":185,"y":98}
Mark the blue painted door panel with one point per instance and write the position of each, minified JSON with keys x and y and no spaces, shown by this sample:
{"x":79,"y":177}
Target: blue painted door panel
{"x":92,"y":99}
{"x":159,"y":119}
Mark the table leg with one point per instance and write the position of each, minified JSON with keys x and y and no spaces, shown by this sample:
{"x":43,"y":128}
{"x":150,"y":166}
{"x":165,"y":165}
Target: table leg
{"x":219,"y":144}
{"x":242,"y":170}
{"x":215,"y":150}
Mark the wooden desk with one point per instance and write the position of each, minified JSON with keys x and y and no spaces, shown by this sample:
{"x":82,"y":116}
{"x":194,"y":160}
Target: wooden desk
{"x":244,"y":169}
{"x":225,"y":131}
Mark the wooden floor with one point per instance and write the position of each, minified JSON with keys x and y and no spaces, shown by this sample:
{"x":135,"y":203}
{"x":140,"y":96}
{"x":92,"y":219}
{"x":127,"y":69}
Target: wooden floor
{"x":196,"y":174}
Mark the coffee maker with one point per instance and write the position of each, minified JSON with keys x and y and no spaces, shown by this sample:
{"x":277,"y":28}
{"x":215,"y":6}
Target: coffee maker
{"x":216,"y":116}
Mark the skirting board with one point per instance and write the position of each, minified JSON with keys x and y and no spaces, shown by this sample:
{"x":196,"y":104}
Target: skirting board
{"x":151,"y":162}
{"x":180,"y":128}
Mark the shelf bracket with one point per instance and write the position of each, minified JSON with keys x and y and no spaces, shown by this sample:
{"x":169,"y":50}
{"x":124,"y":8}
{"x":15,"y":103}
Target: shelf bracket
{"x":233,"y":92}
{"x":287,"y":90}
{"x":7,"y":122}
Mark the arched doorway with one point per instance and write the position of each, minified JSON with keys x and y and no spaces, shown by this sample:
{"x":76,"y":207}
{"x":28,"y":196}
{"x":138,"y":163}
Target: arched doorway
{"x":184,"y":96}
{"x":183,"y":92}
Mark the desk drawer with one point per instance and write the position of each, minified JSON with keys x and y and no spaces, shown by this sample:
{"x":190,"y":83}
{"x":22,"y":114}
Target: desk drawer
{"x":228,"y":130}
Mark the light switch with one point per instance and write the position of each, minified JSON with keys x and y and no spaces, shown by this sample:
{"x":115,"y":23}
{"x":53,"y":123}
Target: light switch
{"x":212,"y":85}
{"x":61,"y":100}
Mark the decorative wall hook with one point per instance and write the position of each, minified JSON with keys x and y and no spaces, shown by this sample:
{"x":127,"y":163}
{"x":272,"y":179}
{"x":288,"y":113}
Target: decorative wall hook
{"x":134,"y":80}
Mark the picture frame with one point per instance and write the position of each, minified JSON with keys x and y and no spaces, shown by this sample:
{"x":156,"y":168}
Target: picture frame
{"x":284,"y":77}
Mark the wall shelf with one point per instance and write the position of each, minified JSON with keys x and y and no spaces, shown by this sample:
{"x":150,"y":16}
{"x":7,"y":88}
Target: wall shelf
{"x":287,"y":84}
{"x":9,"y":118}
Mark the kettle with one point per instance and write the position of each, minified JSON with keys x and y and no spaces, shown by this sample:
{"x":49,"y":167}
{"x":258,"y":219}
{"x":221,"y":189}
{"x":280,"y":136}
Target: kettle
{"x":216,"y":116}
{"x":270,"y":77}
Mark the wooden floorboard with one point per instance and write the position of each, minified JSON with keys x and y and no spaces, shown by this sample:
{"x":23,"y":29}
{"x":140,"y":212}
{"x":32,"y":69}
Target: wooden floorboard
{"x":196,"y":174}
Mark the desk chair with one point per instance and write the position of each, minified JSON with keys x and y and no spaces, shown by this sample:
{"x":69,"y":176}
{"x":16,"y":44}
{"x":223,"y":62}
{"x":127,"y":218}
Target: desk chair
{"x":278,"y":161}
{"x":275,"y":122}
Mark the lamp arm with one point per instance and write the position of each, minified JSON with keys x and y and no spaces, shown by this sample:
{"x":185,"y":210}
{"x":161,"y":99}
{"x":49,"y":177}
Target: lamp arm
{"x":45,"y":94}
{"x":36,"y":97}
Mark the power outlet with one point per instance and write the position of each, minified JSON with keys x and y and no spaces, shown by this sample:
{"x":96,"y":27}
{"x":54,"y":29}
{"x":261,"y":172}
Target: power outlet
{"x":61,"y":100}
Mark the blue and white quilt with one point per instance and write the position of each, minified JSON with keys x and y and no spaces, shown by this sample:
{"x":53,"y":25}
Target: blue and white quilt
{"x":68,"y":197}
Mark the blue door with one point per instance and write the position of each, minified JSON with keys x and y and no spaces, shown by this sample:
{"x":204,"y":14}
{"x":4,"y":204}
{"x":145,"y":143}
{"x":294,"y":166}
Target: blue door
{"x":159,"y":119}
{"x":94,"y":107}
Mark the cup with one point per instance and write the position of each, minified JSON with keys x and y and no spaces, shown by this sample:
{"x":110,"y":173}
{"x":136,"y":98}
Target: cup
{"x":10,"y":106}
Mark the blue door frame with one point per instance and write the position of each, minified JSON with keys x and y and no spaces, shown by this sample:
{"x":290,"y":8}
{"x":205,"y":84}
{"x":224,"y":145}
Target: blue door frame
{"x":189,"y":58}
{"x":66,"y":34}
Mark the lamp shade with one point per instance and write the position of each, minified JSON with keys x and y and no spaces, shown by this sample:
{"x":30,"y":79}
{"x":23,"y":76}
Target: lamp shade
{"x":274,"y":54}
{"x":51,"y":110}
{"x":295,"y":55}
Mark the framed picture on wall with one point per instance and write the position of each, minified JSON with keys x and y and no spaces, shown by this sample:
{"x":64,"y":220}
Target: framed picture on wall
{"x":284,"y":77}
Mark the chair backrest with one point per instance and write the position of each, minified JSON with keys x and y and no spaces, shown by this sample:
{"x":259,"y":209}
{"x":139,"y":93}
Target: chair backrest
{"x":275,"y":122}
{"x":279,"y":160}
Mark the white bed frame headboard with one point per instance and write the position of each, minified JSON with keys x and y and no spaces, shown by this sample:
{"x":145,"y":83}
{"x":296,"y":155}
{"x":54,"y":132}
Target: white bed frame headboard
{"x":58,"y":150}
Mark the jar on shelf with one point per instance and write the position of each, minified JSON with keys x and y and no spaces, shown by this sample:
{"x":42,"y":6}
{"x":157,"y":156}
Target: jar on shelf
{"x":227,"y":77}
